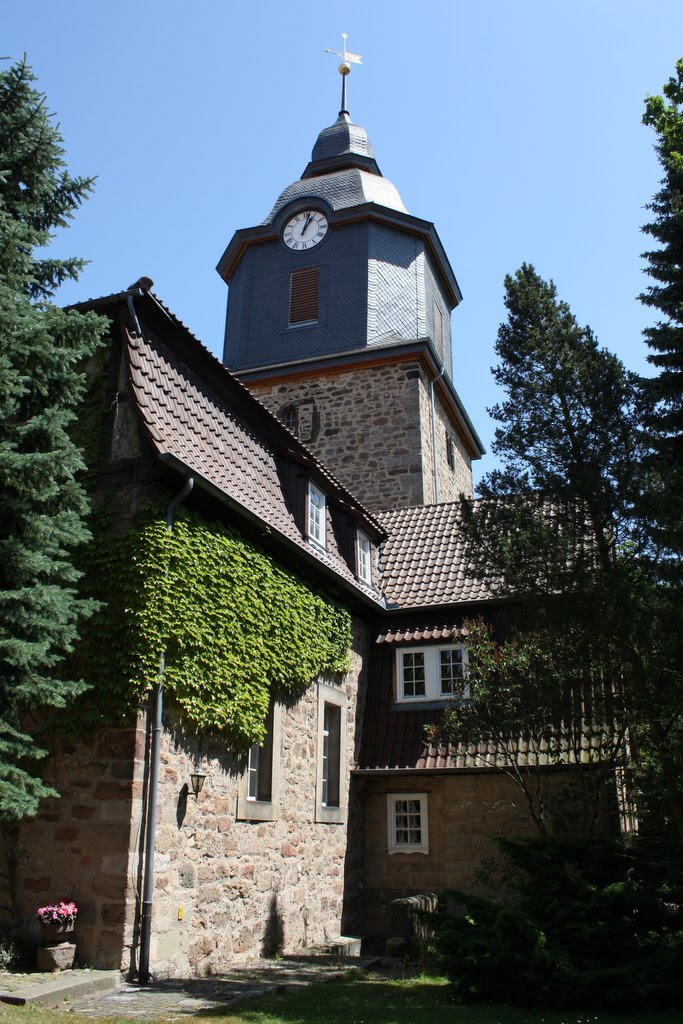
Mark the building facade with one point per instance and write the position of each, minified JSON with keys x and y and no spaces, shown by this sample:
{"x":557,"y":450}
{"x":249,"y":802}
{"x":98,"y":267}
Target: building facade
{"x":340,"y":451}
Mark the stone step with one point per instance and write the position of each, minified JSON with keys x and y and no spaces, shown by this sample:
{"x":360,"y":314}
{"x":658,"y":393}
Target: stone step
{"x":345,"y":945}
{"x":53,"y":990}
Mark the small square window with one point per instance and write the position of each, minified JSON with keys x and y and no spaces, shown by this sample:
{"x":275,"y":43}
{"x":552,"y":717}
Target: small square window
{"x":407,"y":823}
{"x":291,"y":418}
{"x":364,"y":558}
{"x":315,"y":517}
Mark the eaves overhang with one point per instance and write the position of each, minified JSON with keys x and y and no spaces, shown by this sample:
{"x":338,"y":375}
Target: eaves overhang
{"x":316,"y":168}
{"x":301,"y":552}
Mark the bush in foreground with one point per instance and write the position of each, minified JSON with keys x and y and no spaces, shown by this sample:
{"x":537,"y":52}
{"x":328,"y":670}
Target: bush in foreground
{"x":578,"y":925}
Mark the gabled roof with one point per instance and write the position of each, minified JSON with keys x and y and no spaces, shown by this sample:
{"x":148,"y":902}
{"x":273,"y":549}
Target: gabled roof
{"x":200,"y":420}
{"x":423,"y":559}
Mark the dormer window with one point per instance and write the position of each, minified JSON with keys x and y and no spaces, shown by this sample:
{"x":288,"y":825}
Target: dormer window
{"x":315,"y":514}
{"x":363,"y":558}
{"x":431,"y":673}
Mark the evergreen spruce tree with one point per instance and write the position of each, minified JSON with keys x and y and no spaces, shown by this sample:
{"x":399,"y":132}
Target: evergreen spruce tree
{"x":42,"y":503}
{"x":665,"y":339}
{"x":562,"y":533}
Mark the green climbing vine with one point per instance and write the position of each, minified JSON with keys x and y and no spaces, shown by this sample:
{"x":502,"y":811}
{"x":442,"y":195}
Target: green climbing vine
{"x":231,"y":622}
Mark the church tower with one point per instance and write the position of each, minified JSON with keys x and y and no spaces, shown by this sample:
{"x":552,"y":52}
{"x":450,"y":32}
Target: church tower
{"x":339,"y":319}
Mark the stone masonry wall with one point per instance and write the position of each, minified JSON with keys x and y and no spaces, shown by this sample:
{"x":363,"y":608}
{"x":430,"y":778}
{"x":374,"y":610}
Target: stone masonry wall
{"x":466,"y":812}
{"x":226,"y":889}
{"x":245,"y":888}
{"x":372,"y":427}
{"x":453,"y":480}
{"x":78,"y":846}
{"x":365,"y":428}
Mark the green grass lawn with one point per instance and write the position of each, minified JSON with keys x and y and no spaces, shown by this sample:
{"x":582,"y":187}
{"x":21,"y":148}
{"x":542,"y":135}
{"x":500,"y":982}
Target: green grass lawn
{"x":422,"y":1000}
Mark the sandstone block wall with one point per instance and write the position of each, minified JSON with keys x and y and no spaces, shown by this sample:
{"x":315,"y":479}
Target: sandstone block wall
{"x":453,"y":480}
{"x":226,"y":889}
{"x":365,"y":428}
{"x":466,"y":812}
{"x":79,"y":847}
{"x":371,"y":426}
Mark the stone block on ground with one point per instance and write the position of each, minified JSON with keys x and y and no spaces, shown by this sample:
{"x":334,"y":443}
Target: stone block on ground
{"x":60,"y":957}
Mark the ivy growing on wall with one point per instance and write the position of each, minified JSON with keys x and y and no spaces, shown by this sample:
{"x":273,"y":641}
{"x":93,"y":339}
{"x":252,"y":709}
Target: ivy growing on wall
{"x":231,"y":622}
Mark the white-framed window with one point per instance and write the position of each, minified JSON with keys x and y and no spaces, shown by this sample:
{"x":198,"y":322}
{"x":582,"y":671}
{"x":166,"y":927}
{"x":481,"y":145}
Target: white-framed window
{"x":258,"y":797}
{"x":315,"y":514}
{"x":332,"y":779}
{"x":431,"y":673}
{"x":363,"y":558}
{"x":407,"y":823}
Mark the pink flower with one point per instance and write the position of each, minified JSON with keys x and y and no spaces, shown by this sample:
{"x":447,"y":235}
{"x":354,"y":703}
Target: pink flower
{"x":58,"y":913}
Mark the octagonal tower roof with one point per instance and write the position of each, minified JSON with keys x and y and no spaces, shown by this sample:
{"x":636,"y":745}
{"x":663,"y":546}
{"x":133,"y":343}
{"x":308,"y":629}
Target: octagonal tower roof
{"x":343,"y":171}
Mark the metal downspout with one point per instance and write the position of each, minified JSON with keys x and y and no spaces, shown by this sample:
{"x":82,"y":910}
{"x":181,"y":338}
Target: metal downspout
{"x":434,"y":463}
{"x":150,"y":833}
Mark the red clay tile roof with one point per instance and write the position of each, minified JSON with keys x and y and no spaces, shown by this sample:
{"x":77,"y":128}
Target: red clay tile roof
{"x":417,"y":634}
{"x":186,"y":419}
{"x":394,"y":739}
{"x":422,"y":561}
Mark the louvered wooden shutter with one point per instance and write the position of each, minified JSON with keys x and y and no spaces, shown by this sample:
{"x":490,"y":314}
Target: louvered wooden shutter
{"x":304,"y":294}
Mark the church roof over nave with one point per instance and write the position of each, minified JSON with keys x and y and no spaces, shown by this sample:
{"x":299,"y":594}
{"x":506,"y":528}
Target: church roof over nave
{"x":343,"y":171}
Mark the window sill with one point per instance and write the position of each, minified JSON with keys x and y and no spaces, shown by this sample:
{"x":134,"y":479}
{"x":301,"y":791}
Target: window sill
{"x":256,"y":810}
{"x":407,"y":849}
{"x":331,"y":815}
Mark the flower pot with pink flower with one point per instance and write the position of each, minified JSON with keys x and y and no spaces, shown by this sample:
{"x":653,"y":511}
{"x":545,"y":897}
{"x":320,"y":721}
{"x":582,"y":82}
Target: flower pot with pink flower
{"x":57,"y":921}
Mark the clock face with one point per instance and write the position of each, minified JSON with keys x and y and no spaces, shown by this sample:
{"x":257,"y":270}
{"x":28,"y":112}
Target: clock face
{"x":305,"y":230}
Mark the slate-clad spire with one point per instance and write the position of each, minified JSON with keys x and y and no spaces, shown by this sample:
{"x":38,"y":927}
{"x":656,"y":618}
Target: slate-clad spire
{"x":343,"y":171}
{"x":343,"y":144}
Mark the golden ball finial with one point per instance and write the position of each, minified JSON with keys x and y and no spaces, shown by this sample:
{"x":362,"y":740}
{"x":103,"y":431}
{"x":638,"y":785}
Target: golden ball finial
{"x":344,"y":68}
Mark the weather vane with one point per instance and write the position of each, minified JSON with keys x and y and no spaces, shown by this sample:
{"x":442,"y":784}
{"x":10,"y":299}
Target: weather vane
{"x":347,"y":59}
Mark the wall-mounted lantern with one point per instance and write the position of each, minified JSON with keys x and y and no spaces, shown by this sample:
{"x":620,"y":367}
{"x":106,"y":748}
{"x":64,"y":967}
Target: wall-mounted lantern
{"x":197,"y":779}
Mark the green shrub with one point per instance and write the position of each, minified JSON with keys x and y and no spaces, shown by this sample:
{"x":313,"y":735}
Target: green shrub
{"x":575,"y":924}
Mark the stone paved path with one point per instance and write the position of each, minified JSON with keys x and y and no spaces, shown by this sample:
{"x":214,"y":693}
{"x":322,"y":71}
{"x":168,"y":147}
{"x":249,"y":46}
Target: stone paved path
{"x":175,"y":999}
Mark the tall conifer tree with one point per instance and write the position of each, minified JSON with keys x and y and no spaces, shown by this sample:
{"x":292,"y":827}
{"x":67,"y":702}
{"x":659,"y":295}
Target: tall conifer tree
{"x":42,"y":503}
{"x":564,"y":536}
{"x":665,"y":338}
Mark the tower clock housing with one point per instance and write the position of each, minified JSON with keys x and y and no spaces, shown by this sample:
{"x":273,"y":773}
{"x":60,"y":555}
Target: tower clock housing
{"x":338,"y":281}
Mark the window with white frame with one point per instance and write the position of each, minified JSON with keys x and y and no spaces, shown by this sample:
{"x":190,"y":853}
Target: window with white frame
{"x":431,"y":673}
{"x":315,"y":514}
{"x":363,"y":558}
{"x":407,"y":823}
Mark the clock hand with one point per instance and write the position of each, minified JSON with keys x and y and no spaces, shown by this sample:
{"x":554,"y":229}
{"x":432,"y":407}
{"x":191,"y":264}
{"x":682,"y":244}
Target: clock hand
{"x":306,"y":223}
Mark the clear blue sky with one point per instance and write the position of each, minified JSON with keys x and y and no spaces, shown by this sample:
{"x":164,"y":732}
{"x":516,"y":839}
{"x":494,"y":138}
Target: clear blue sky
{"x":515,"y":127}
